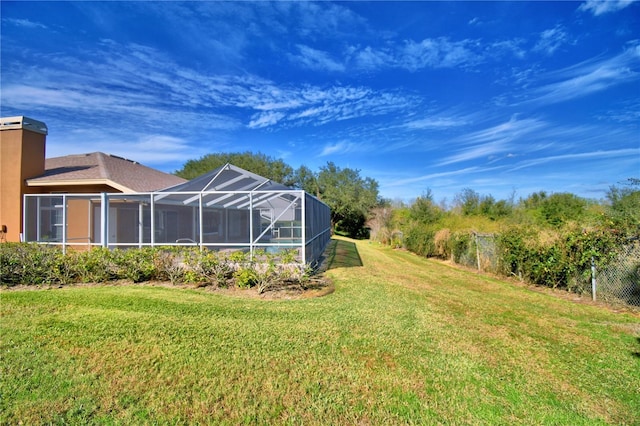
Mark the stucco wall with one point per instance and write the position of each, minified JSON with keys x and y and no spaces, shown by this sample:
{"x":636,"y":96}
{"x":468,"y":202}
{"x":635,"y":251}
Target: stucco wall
{"x":22,"y":154}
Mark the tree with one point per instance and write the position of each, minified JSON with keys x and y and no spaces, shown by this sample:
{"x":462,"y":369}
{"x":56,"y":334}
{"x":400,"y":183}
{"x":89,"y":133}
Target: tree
{"x":558,"y":208}
{"x":424,"y":210}
{"x":493,"y":209}
{"x":534,"y":200}
{"x":306,"y":179}
{"x":260,"y":164}
{"x":468,"y":201}
{"x":349,"y":196}
{"x":625,"y":206}
{"x":380,"y":222}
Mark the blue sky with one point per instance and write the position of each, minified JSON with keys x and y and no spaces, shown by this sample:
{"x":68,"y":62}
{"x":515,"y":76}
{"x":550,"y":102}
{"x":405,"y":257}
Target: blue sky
{"x":500,"y":97}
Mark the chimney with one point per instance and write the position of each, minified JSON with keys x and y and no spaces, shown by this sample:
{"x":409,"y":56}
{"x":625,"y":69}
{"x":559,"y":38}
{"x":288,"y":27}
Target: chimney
{"x":22,"y":154}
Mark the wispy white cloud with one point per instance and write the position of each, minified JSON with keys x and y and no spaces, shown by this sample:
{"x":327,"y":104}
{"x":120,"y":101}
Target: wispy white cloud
{"x":600,"y":7}
{"x":335,"y":148}
{"x":488,"y":143}
{"x":628,"y":112}
{"x":325,"y":19}
{"x":144,"y":85}
{"x":550,"y":40}
{"x":24,"y":23}
{"x":348,"y":147}
{"x":316,"y":59}
{"x":411,"y":55}
{"x":437,"y":53}
{"x":502,"y":47}
{"x":265,"y":119}
{"x":368,"y":58}
{"x":487,"y":151}
{"x":445,"y":174}
{"x":435,"y":123}
{"x":629,"y":153}
{"x":505,"y":132}
{"x":594,"y":80}
{"x":589,"y":77}
{"x":324,"y":80}
{"x":442,"y":120}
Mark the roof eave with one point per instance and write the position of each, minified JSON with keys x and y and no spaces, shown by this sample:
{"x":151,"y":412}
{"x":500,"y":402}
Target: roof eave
{"x":79,"y":182}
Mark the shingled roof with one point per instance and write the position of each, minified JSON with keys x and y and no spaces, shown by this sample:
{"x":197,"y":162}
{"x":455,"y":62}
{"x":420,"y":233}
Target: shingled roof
{"x":100,"y":168}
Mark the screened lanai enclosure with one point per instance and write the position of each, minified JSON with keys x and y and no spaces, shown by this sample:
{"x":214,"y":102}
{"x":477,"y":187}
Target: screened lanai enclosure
{"x":226,"y":209}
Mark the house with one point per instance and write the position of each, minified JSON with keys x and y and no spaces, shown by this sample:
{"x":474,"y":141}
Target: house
{"x":24,"y":170}
{"x":70,"y":204}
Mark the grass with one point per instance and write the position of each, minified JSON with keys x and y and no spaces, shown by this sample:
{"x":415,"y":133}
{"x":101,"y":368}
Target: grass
{"x":402,"y":340}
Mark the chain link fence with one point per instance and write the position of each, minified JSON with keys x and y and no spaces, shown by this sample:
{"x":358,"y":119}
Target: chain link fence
{"x":480,"y":254}
{"x":619,"y":281}
{"x":616,"y":282}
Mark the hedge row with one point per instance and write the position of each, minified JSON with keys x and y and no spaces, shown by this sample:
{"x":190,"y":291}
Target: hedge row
{"x":564,"y":262}
{"x":558,"y":260}
{"x":35,"y":264}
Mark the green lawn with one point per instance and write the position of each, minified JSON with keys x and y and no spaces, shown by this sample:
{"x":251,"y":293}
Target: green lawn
{"x":401,"y":340}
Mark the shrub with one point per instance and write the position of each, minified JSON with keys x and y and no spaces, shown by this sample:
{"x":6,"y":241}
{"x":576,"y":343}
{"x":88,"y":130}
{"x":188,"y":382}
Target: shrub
{"x":245,"y":277}
{"x":442,"y":241}
{"x":30,"y":263}
{"x":39,"y":264}
{"x":513,"y":252}
{"x":167,"y":265}
{"x":460,"y":246}
{"x":213,"y":267}
{"x":563,"y":261}
{"x":11,"y":264}
{"x":136,"y":265}
{"x":420,"y":240}
{"x":94,"y":265}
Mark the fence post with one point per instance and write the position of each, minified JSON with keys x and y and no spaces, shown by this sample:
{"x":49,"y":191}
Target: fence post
{"x":593,"y":279}
{"x":475,"y":235}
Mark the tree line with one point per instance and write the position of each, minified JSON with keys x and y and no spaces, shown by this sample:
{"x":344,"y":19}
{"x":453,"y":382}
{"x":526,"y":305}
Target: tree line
{"x":358,"y":210}
{"x":618,"y":212}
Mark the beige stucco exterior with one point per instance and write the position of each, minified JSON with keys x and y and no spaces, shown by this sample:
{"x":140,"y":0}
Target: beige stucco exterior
{"x":22,"y":155}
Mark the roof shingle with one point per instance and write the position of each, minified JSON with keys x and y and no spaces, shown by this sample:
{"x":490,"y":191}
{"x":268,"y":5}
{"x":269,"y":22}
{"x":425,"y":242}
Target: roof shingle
{"x":100,"y":166}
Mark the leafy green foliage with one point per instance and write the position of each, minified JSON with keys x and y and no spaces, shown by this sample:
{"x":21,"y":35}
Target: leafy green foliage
{"x":245,"y":278}
{"x":560,"y":208}
{"x":258,"y":163}
{"x":424,"y":210}
{"x":560,"y":263}
{"x":624,"y":210}
{"x":546,"y":239}
{"x":306,"y":179}
{"x":472,"y":203}
{"x":460,"y":245}
{"x":556,"y":209}
{"x":350,"y":198}
{"x":468,"y":201}
{"x":493,"y":209}
{"x":136,"y":265}
{"x":420,"y":240}
{"x":94,"y":265}
{"x":34,"y":264}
